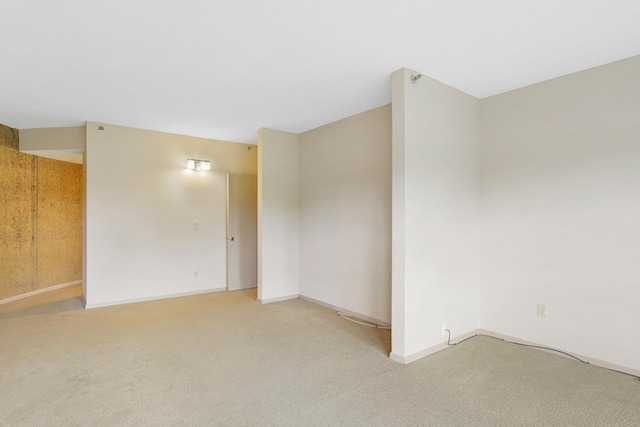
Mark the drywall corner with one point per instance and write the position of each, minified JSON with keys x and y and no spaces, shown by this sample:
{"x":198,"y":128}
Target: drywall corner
{"x":397,"y":212}
{"x":345,"y":213}
{"x":435,"y":192}
{"x":278,"y":214}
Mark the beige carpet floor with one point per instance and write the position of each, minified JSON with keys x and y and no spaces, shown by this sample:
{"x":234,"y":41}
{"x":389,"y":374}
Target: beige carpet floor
{"x":223,"y":359}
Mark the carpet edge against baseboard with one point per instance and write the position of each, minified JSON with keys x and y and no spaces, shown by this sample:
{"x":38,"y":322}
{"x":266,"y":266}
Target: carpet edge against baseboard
{"x":277,"y":299}
{"x":592,"y":361}
{"x":158,"y":297}
{"x":442,"y":346}
{"x":405,"y":360}
{"x":39,"y":291}
{"x":346,"y":311}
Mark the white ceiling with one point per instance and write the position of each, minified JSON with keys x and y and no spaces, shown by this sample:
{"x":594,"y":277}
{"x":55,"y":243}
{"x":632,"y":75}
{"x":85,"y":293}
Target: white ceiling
{"x":222,"y":69}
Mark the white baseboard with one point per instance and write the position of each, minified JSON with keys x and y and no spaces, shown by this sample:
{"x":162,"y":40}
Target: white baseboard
{"x":346,"y":311}
{"x":429,"y":351}
{"x":39,"y":291}
{"x":284,"y":298}
{"x":131,"y":301}
{"x":591,"y":360}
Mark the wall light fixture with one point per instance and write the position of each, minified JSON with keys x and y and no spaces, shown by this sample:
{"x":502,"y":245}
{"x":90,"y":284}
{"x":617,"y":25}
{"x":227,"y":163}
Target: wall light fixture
{"x":198,"y":165}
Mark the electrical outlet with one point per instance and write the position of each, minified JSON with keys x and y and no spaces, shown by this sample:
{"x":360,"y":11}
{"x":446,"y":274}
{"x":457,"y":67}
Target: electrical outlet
{"x":196,"y":225}
{"x":444,"y":329}
{"x":195,"y":274}
{"x":542,"y":310}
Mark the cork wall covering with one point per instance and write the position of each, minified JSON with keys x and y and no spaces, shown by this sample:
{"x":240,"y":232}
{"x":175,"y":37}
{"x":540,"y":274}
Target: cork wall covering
{"x":40,"y":220}
{"x":9,"y":137}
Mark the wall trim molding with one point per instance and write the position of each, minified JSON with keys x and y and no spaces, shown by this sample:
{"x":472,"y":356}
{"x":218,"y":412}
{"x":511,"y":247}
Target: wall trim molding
{"x":39,"y":291}
{"x":166,"y":296}
{"x":430,"y":350}
{"x":346,"y":311}
{"x":277,"y":299}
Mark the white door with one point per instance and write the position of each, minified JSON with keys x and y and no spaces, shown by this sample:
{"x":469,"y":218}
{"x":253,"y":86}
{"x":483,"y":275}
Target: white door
{"x":242,"y":232}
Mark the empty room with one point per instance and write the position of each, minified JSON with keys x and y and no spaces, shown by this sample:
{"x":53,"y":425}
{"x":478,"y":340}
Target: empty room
{"x":342,"y":213}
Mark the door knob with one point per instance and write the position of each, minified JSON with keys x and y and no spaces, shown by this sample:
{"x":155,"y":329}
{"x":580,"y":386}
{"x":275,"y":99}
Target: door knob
{"x":232,"y":238}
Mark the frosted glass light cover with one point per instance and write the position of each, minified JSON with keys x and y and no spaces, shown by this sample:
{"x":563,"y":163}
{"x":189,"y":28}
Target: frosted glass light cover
{"x":205,"y":165}
{"x":191,"y":164}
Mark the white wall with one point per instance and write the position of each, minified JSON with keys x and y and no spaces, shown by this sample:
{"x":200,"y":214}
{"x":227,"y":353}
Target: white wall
{"x":561,"y":212}
{"x":277,"y":215}
{"x":141,"y":204}
{"x":345,"y":214}
{"x":435,"y":260}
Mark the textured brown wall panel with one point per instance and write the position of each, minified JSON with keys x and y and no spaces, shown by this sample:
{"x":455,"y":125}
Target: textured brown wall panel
{"x":17,"y":235}
{"x":73,"y":185}
{"x":49,"y":220}
{"x":40,"y":220}
{"x":9,"y":137}
{"x":59,"y":222}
